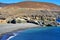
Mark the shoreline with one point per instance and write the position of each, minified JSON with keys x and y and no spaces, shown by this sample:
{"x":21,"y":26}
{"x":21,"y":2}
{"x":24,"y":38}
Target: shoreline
{"x":10,"y":33}
{"x":7,"y":28}
{"x":17,"y":31}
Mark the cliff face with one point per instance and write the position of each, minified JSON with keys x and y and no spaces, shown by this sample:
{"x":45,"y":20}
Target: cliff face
{"x":29,"y":8}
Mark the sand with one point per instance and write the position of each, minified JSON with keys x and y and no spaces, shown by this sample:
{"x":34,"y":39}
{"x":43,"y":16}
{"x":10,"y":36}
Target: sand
{"x":4,"y":28}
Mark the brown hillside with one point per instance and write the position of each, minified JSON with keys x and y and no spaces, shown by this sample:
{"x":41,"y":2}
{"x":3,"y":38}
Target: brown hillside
{"x":18,"y":9}
{"x":34,"y":5}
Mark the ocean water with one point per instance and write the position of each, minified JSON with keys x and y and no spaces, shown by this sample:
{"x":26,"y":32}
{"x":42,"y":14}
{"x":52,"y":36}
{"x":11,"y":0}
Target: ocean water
{"x":47,"y":33}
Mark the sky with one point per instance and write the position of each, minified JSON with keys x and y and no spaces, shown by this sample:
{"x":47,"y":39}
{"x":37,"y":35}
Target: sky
{"x":15,"y":1}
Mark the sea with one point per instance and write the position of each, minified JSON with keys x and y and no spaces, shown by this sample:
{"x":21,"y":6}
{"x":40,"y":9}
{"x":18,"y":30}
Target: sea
{"x":40,"y":33}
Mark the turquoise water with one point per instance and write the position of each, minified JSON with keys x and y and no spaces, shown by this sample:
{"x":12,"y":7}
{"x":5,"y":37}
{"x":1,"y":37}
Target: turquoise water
{"x":47,"y":33}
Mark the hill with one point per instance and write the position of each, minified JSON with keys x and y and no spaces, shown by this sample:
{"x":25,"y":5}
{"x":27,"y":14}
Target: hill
{"x":3,"y":4}
{"x":30,"y":8}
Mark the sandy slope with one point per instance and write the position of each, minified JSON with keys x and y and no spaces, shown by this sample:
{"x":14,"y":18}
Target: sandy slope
{"x":12,"y":27}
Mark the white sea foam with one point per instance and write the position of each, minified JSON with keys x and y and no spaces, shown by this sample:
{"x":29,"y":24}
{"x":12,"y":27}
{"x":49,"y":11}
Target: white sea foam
{"x":14,"y":34}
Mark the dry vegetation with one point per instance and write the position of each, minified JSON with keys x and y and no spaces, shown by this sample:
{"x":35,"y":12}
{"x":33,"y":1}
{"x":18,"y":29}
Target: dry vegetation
{"x":29,"y":8}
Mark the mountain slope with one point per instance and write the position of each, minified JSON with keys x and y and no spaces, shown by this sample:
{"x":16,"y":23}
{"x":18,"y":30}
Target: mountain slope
{"x":3,"y":4}
{"x":30,"y":8}
{"x":34,"y":5}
